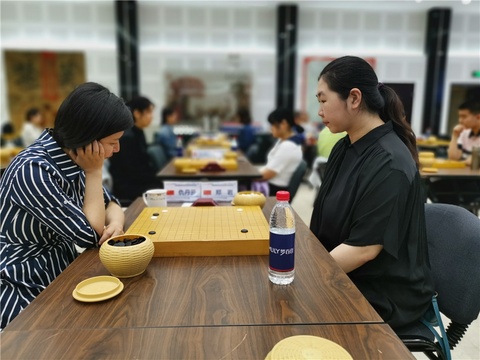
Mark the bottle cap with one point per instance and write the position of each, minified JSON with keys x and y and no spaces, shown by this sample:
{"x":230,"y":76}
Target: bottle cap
{"x":283,"y":195}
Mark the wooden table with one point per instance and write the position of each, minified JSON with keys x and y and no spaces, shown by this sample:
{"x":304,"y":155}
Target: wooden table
{"x":362,"y":341}
{"x":245,"y":172}
{"x":202,"y":307}
{"x":459,"y":186}
{"x":465,"y":172}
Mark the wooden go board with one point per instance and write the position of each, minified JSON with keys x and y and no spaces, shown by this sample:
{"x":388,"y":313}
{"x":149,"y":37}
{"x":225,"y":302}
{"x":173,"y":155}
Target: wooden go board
{"x":204,"y":230}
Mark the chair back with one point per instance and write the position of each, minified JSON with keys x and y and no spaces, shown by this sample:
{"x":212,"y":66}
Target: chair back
{"x":321,"y":170}
{"x":157,"y":156}
{"x":297,"y":178}
{"x":453,"y":235}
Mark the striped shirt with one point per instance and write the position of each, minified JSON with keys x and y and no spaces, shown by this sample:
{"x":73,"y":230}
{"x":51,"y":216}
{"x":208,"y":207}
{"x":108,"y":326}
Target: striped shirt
{"x":41,"y":220}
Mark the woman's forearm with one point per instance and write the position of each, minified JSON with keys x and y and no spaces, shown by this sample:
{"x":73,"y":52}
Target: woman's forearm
{"x":114,"y":222}
{"x":267,"y":174}
{"x":114,"y":215}
{"x":93,"y":203}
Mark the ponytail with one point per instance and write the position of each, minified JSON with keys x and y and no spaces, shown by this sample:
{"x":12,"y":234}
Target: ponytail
{"x":394,"y":111}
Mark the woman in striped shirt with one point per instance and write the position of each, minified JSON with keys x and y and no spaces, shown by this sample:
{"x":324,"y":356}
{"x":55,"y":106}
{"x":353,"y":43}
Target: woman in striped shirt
{"x":52,"y":198}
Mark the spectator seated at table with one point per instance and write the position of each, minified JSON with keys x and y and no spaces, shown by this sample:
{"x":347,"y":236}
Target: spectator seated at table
{"x":466,"y":134}
{"x":246,"y":135}
{"x":8,"y":138}
{"x":33,"y":126}
{"x":327,"y":140}
{"x":325,"y":143}
{"x":308,"y":136}
{"x":286,"y":154}
{"x":52,"y":198}
{"x":165,"y":136}
{"x":132,"y":170}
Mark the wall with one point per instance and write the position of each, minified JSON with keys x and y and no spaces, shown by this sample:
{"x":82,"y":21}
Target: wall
{"x":79,"y":26}
{"x":396,"y":39}
{"x":219,"y":38}
{"x":229,"y":36}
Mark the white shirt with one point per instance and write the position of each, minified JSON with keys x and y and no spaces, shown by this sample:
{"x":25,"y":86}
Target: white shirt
{"x":30,"y":133}
{"x":467,"y":141}
{"x":283,"y":158}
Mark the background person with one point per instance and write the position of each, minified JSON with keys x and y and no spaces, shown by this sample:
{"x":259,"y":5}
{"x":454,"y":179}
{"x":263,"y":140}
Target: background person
{"x":325,"y":143}
{"x":327,"y":140}
{"x":132,"y":170}
{"x":8,"y":138}
{"x":52,"y":198}
{"x":369,"y":212}
{"x":466,"y":134}
{"x":166,"y":136}
{"x":246,"y":136}
{"x":309,"y":136}
{"x":286,"y":154}
{"x":33,"y":126}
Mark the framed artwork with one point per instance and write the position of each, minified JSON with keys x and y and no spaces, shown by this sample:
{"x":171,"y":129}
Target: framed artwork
{"x":207,"y":94}
{"x":41,"y":80}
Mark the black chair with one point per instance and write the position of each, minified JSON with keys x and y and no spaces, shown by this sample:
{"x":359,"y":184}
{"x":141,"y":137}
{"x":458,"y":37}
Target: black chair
{"x":453,"y":235}
{"x":157,"y":156}
{"x":321,"y":170}
{"x":257,"y":153}
{"x":297,"y":178}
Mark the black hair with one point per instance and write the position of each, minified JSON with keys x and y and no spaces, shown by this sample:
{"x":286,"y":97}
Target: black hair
{"x":280,"y":114}
{"x":348,"y":72}
{"x":8,"y":129}
{"x":244,"y":116}
{"x":471,"y":105}
{"x":90,"y":112}
{"x":31,"y":113}
{"x":166,"y":112}
{"x":139,"y":103}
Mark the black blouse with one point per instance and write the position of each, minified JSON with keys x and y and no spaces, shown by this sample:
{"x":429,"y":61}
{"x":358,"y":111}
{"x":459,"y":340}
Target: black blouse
{"x":372,"y":194}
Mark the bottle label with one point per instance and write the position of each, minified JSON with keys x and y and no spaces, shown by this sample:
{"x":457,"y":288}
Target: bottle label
{"x":282,"y":252}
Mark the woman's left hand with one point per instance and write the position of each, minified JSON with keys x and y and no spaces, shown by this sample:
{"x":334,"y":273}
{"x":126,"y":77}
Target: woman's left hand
{"x":110,"y":231}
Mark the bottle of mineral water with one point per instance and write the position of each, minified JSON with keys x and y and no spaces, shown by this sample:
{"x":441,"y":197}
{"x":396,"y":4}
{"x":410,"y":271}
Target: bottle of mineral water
{"x":234,"y":144}
{"x":281,"y":268}
{"x":179,"y":146}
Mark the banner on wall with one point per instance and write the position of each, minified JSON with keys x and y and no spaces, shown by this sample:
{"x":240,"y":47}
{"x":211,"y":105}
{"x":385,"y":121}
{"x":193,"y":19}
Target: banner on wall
{"x":42,"y":80}
{"x":311,"y":68}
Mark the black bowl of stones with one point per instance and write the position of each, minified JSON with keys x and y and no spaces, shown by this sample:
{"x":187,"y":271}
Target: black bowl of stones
{"x":126,"y":255}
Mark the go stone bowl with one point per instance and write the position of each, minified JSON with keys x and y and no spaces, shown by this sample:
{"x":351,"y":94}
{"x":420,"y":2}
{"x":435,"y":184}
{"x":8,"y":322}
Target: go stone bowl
{"x":130,"y":259}
{"x":249,"y":198}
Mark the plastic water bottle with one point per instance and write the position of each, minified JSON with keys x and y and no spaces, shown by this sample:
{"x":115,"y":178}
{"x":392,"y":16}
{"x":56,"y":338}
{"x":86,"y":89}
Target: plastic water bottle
{"x":281,"y":268}
{"x":234,"y":144}
{"x":179,"y":146}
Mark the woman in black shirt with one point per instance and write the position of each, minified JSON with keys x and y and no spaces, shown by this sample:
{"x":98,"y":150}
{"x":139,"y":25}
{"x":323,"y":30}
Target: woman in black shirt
{"x":369,"y":212}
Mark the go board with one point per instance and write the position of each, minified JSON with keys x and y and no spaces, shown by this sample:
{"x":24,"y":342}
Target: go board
{"x":204,"y":230}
